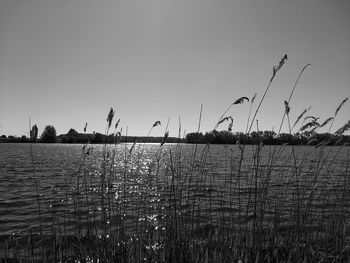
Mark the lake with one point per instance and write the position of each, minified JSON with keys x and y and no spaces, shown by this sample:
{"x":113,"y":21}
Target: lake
{"x":71,"y":188}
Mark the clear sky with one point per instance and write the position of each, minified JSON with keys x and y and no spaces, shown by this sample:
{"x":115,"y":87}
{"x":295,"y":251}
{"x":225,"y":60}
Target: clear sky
{"x":67,"y":62}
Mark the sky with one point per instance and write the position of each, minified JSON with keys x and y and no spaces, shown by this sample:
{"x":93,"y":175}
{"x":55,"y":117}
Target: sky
{"x":65,"y":63}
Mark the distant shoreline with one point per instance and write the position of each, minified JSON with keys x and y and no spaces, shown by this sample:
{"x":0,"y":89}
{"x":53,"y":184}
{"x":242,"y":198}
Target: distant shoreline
{"x":63,"y":139}
{"x":214,"y":137}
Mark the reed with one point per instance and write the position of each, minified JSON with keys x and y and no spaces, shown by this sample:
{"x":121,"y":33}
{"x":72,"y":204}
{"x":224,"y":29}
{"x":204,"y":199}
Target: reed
{"x":174,"y":203}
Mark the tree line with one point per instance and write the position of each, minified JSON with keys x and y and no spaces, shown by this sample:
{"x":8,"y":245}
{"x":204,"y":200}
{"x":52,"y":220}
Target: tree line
{"x":266,"y":137}
{"x":48,"y":136}
{"x":97,"y":138}
{"x":72,"y":136}
{"x":213,"y":137}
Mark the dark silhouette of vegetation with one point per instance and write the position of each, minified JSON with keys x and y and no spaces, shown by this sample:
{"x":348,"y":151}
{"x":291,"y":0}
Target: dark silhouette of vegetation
{"x":34,"y":133}
{"x":14,"y":139}
{"x":81,"y":138}
{"x":212,"y":137}
{"x":73,"y":136}
{"x":49,"y":134}
{"x":72,"y":132}
{"x":98,"y":138}
{"x":266,"y":137}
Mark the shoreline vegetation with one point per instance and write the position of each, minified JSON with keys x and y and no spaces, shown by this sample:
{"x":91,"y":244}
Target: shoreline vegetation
{"x":265,"y":204}
{"x":213,"y":137}
{"x":97,"y":138}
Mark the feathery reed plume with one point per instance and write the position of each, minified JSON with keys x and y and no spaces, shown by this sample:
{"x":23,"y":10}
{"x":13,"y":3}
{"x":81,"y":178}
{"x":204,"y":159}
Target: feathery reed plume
{"x":85,"y":127}
{"x":116,"y":124}
{"x":283,"y":60}
{"x":326,"y":122}
{"x":115,"y":129}
{"x":310,"y":124}
{"x":300,"y":116}
{"x":110,"y":117}
{"x":343,"y":129}
{"x":241,"y":100}
{"x":166,"y":135}
{"x":287,"y":108}
{"x":340,"y":106}
{"x":156,"y":123}
{"x":336,"y":112}
{"x":238,"y":101}
{"x":311,"y":117}
{"x":225,"y":119}
{"x":279,"y":66}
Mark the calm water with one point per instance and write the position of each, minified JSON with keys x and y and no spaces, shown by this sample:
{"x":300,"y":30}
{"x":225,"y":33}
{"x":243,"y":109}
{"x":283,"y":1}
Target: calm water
{"x":139,"y":183}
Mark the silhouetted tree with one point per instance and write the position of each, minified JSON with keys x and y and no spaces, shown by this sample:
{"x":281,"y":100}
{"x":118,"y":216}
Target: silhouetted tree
{"x":194,"y":137}
{"x":24,"y":138}
{"x":269,"y":137}
{"x":49,"y":134}
{"x":255,"y":137}
{"x":34,"y":133}
{"x":286,"y":138}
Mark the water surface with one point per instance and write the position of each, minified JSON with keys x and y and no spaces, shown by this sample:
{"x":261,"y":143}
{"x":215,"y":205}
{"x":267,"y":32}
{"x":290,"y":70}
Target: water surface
{"x":60,"y":184}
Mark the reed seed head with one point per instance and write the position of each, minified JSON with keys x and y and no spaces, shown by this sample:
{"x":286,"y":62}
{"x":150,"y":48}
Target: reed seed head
{"x":310,"y":124}
{"x":110,"y":117}
{"x":85,"y":127}
{"x":225,"y":119}
{"x":326,"y":122}
{"x":156,"y":123}
{"x":116,"y":125}
{"x":343,"y":129}
{"x":287,"y":108}
{"x":311,"y":117}
{"x":241,"y":100}
{"x":340,"y":106}
{"x":301,"y":115}
{"x":279,"y":66}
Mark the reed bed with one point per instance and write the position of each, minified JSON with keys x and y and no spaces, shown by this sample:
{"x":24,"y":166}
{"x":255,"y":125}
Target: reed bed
{"x":178,"y":206}
{"x":174,"y":203}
